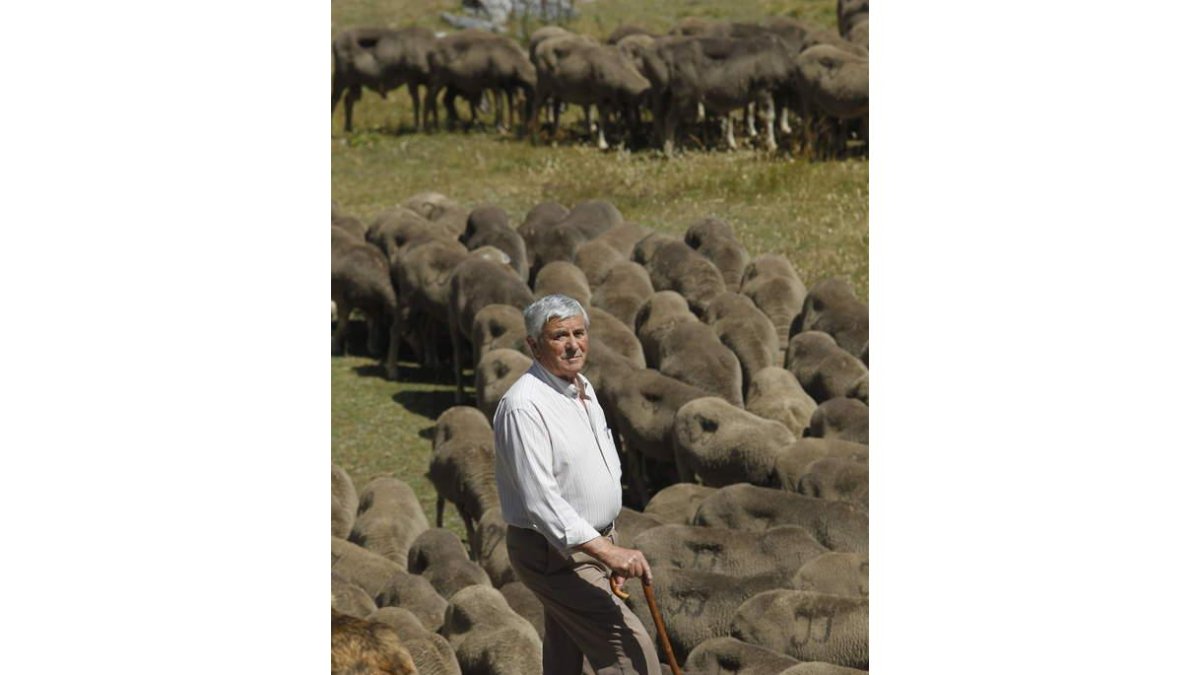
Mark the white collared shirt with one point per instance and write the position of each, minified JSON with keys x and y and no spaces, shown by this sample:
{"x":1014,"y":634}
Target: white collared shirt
{"x":557,"y":469}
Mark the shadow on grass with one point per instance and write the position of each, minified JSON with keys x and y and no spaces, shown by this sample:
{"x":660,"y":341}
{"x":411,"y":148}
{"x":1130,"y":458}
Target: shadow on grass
{"x":428,"y":404}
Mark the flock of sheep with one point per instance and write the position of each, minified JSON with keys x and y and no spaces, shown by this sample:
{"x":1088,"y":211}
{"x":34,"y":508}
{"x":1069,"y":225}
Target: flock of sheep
{"x":739,"y":397}
{"x":700,"y":69}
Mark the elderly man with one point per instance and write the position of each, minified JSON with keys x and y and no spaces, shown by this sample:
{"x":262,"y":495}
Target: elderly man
{"x":560,"y":491}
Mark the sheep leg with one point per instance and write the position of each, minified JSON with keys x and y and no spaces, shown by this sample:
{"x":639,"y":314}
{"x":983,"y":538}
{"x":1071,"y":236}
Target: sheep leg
{"x":670,"y":120}
{"x":393,"y":354}
{"x":343,"y":323}
{"x":751,"y":128}
{"x":769,"y":114}
{"x":441,"y":509}
{"x":727,"y":129}
{"x":456,"y":348}
{"x":415,"y":94}
{"x":499,"y":109}
{"x":590,"y":117}
{"x":601,"y":142}
{"x":784,"y":127}
{"x":352,"y":96}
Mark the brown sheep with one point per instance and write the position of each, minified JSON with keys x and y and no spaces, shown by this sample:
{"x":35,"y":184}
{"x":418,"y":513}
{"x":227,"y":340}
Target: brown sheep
{"x":836,"y":525}
{"x":692,"y":353}
{"x":594,"y":217}
{"x":714,"y":239}
{"x":431,"y":653}
{"x":831,"y":307}
{"x":475,"y":284}
{"x":746,"y":331}
{"x":677,"y":503}
{"x":344,"y":502}
{"x":539,"y":217}
{"x":647,"y":246}
{"x":488,"y":637}
{"x":553,"y":241}
{"x":721,"y":655}
{"x":498,"y":327}
{"x":676,"y":267}
{"x":462,"y":466}
{"x":820,"y":668}
{"x":360,"y":279}
{"x":624,"y":291}
{"x":806,"y":625}
{"x":350,"y":599}
{"x":366,"y":648}
{"x":780,"y":551}
{"x":779,"y":297}
{"x":795,"y":464}
{"x":837,"y":479}
{"x":488,"y":226}
{"x":563,"y":277}
{"x":609,"y":331}
{"x":395,"y":229}
{"x":835,"y":573}
{"x":657,"y":318}
{"x":632,"y":523}
{"x":441,"y":558}
{"x":387,"y":582}
{"x":489,"y":549}
{"x":624,"y":237}
{"x":841,"y":417}
{"x":722,"y":444}
{"x":823,"y":369}
{"x":421,"y":276}
{"x":496,"y":371}
{"x":775,"y":394}
{"x":596,"y":259}
{"x":389,"y":518}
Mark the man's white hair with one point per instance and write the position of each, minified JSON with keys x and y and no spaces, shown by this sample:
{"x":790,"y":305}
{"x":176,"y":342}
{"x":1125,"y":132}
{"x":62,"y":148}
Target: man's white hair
{"x":557,"y":306}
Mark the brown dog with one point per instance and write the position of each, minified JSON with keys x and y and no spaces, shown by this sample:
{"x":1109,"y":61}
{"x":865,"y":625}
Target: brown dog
{"x":367,"y":648}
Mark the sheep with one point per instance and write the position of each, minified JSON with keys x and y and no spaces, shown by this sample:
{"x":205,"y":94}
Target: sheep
{"x":656,"y":318}
{"x":395,"y":229}
{"x":780,"y":297}
{"x":475,"y":284}
{"x":553,"y":241}
{"x":440,"y":557}
{"x":677,"y":503}
{"x":360,"y":646}
{"x":431,"y":653}
{"x":350,"y":599}
{"x":389,"y":518}
{"x":359,"y":279}
{"x":421,"y":276}
{"x":462,"y":466}
{"x":775,"y":394}
{"x":647,"y":246}
{"x":841,"y":417}
{"x":623,"y":292}
{"x":563,"y":277}
{"x":806,"y":625}
{"x":837,"y":479}
{"x":823,"y":369}
{"x":794,"y":467}
{"x":746,"y":331}
{"x":498,"y":327}
{"x":608,"y":330}
{"x":836,"y":525}
{"x":488,"y":226}
{"x":831,"y":307}
{"x":596,"y":259}
{"x":489,"y":549}
{"x":624,"y":237}
{"x":496,"y":371}
{"x":714,"y":239}
{"x":631,"y":523}
{"x":820,"y":668}
{"x":594,"y":217}
{"x":692,"y":353}
{"x":722,"y":444}
{"x":780,"y":551}
{"x":387,"y":582}
{"x":697,"y":605}
{"x":720,"y":655}
{"x":676,"y":267}
{"x":539,"y":217}
{"x":488,"y":636}
{"x":440,"y":209}
{"x":836,"y":574}
{"x":344,"y":502}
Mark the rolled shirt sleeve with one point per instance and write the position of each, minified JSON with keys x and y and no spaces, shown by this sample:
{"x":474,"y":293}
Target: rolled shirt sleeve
{"x":525,"y":473}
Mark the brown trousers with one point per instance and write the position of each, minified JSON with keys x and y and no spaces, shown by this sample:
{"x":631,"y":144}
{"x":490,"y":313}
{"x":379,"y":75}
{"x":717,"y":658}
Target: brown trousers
{"x":583,"y":617}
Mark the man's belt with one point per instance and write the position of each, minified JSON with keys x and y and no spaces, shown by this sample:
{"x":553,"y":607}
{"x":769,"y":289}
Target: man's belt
{"x":607,"y":529}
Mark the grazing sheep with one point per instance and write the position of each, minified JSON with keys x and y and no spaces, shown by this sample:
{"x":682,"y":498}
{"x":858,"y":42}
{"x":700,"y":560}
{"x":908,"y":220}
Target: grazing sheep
{"x":722,"y":444}
{"x":775,"y":394}
{"x":344,"y":502}
{"x":431,"y":653}
{"x":623,"y":292}
{"x":693,"y":353}
{"x":438,"y":208}
{"x":820,"y":668}
{"x":387,"y":582}
{"x":632,"y":523}
{"x":834,"y":82}
{"x":488,"y":637}
{"x":696,"y":605}
{"x":349,"y":599}
{"x":594,"y":217}
{"x":836,"y":525}
{"x":831,"y":307}
{"x":806,"y":625}
{"x":396,"y":229}
{"x":472,"y":61}
{"x":841,"y":417}
{"x":525,"y":603}
{"x":657,"y":318}
{"x":624,"y":237}
{"x":498,"y":327}
{"x":475,"y":284}
{"x":780,"y":551}
{"x":722,"y":655}
{"x":780,"y":297}
{"x":366,"y":648}
{"x":676,"y":267}
{"x":677,"y":503}
{"x":836,"y":574}
{"x":496,"y":371}
{"x":554,"y":241}
{"x":565,"y":278}
{"x":714,"y":239}
{"x":837,"y":479}
{"x":389,"y":518}
{"x":489,"y":549}
{"x":767,"y":265}
{"x":488,"y":226}
{"x":604,"y":368}
{"x":441,"y":558}
{"x":462,"y":467}
{"x":421,"y":276}
{"x":360,"y":279}
{"x":823,"y":369}
{"x":795,"y":463}
{"x":746,"y":331}
{"x":381,"y":60}
{"x":350,"y":224}
{"x":539,"y":217}
{"x":647,"y":246}
{"x":609,"y":331}
{"x":596,"y":259}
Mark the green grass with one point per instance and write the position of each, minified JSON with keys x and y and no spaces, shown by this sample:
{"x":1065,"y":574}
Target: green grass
{"x":814,"y":213}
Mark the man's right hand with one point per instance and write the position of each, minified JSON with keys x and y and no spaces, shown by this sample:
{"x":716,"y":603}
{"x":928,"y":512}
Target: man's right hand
{"x":625,"y":563}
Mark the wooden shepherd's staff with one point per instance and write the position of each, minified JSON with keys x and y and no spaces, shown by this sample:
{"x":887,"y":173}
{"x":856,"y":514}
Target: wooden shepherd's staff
{"x":648,"y":590}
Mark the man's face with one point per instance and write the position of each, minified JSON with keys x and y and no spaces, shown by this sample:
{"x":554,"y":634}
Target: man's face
{"x":562,"y":348}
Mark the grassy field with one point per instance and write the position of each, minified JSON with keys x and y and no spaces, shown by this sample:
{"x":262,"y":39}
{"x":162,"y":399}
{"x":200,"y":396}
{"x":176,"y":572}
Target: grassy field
{"x":814,"y":213}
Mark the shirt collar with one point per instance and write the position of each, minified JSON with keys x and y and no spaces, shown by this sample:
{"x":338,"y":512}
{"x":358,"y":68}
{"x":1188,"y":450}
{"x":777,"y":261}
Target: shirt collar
{"x":560,"y":385}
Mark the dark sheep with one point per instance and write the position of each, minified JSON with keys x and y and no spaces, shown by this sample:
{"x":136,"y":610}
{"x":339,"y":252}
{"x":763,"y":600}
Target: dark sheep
{"x":498,"y":327}
{"x":381,"y":60}
{"x":488,"y":547}
{"x":835,"y":573}
{"x":794,"y":465}
{"x":831,"y":307}
{"x":539,"y":217}
{"x":836,"y":479}
{"x":421,"y":276}
{"x":823,"y":369}
{"x":594,"y":217}
{"x":475,"y":284}
{"x":597,"y":258}
{"x":692,"y":353}
{"x":722,"y":444}
{"x":395,"y":229}
{"x":565,"y":278}
{"x":360,"y":279}
{"x":495,"y":373}
{"x":608,"y":330}
{"x":746,"y":331}
{"x":624,"y":237}
{"x":387,"y":582}
{"x":350,"y":599}
{"x":656,"y":319}
{"x":714,"y":239}
{"x":647,"y":246}
{"x":488,"y":226}
{"x":676,"y":267}
{"x":440,"y":209}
